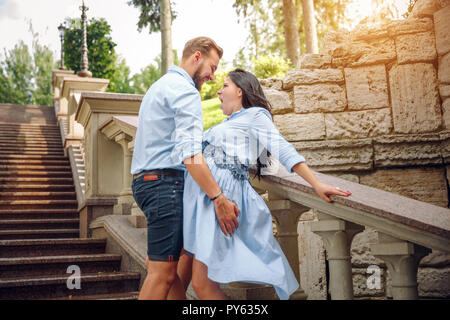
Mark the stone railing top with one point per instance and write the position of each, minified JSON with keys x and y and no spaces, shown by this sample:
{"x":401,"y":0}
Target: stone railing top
{"x":113,"y":103}
{"x":73,"y":82}
{"x":409,"y":212}
{"x":120,"y":124}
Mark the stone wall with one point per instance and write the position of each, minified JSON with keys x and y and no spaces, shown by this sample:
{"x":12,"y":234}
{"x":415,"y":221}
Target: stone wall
{"x":374,"y":108}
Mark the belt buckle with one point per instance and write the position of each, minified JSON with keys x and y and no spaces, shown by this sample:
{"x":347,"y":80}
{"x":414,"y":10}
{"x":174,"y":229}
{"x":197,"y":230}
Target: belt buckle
{"x":151,"y":177}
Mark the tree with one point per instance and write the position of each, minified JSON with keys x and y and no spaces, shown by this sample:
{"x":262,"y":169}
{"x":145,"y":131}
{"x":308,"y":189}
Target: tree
{"x":16,"y":75}
{"x":158,"y":15}
{"x":291,"y":31}
{"x":309,"y":22}
{"x":101,"y":53}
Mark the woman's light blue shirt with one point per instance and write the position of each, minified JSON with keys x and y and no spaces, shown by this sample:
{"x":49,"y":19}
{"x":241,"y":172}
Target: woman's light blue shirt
{"x":248,"y":133}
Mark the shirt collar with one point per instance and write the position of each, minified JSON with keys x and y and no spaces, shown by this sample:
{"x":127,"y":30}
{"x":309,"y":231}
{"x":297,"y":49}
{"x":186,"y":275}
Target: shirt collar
{"x":235,"y":113}
{"x":181,"y":71}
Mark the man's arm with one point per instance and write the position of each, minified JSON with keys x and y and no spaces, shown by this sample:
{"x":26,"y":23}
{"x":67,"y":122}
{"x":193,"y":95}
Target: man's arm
{"x":188,"y":134}
{"x":226,"y":211}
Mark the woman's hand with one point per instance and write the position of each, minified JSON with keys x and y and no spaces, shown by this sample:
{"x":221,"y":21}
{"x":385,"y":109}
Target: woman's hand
{"x":324,"y":190}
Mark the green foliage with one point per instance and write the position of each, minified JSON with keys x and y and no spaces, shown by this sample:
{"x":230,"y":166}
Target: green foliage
{"x":120,"y":80}
{"x":212,"y":114}
{"x":25,"y":78}
{"x":210,"y":88}
{"x":150,"y":14}
{"x":150,"y":74}
{"x":267,"y":66}
{"x":101,"y":53}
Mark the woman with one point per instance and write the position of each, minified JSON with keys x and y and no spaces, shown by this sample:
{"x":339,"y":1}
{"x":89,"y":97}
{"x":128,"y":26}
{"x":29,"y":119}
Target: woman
{"x":251,"y":254}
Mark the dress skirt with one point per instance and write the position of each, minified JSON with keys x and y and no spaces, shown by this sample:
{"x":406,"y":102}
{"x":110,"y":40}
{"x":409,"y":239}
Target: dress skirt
{"x":251,"y":254}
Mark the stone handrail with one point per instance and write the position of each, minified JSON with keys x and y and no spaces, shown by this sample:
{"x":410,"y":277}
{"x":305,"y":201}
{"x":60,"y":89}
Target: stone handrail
{"x":407,"y":228}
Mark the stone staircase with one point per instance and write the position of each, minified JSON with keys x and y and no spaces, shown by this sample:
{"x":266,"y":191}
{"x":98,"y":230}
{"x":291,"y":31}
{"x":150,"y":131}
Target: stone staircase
{"x":39,"y":223}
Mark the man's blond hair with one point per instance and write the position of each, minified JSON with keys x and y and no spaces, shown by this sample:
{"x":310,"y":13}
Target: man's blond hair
{"x":202,"y":44}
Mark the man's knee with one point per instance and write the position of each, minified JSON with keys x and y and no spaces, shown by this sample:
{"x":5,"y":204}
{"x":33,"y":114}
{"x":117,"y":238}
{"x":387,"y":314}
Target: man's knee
{"x":163,"y":271}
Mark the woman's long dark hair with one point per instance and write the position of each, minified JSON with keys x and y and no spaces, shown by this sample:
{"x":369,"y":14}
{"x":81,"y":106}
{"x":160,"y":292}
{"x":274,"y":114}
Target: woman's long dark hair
{"x":252,"y":97}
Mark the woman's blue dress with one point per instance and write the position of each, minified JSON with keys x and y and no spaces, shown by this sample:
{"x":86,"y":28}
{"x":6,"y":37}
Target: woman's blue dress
{"x":252,"y":254}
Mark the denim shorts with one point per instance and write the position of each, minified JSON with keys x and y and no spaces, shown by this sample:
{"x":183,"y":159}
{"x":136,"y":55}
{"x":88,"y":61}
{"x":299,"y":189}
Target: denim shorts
{"x":161,"y":201}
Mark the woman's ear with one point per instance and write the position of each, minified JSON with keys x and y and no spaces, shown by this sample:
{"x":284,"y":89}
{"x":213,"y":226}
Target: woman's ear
{"x":239,"y":92}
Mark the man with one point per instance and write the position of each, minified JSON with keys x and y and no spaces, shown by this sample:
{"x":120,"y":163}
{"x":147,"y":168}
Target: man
{"x":169,"y":141}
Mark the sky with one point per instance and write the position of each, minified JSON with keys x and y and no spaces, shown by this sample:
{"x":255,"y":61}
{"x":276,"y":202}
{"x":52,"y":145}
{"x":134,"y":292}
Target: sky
{"x":214,"y":18}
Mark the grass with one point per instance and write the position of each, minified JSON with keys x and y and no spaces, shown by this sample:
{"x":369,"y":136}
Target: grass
{"x":212,"y":114}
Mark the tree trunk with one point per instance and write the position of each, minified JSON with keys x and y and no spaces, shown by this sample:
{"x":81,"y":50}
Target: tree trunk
{"x":310,"y":26}
{"x":166,"y":36}
{"x":292,"y":38}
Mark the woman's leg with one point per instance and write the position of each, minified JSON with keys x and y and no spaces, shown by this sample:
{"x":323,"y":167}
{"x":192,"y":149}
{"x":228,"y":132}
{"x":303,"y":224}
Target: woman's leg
{"x":205,"y":288}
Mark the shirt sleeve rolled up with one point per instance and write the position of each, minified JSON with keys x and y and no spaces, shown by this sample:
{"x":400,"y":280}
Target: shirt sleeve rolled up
{"x":264,"y":131}
{"x":188,"y":124}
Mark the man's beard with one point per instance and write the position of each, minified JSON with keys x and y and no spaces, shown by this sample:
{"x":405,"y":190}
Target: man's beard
{"x":197,"y":80}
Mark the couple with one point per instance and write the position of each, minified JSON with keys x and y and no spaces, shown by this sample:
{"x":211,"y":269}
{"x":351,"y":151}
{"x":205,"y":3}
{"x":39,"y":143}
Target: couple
{"x":205,"y":222}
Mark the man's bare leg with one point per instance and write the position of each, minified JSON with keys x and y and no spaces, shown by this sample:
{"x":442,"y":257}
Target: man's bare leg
{"x":161,"y":278}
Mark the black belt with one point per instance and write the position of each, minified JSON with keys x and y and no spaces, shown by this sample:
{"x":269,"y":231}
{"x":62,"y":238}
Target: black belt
{"x":161,"y":172}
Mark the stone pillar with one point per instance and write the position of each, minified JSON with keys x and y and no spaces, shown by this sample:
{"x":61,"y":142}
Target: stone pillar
{"x":402,"y":259}
{"x":337,"y":236}
{"x":286,"y":215}
{"x":125,"y":199}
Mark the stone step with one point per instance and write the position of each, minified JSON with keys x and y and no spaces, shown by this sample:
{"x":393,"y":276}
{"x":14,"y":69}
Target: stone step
{"x":28,"y":136}
{"x":37,"y":188}
{"x":30,"y":133}
{"x":31,"y":152}
{"x":37,"y":204}
{"x":26,"y":139}
{"x":35,"y":174}
{"x":43,"y":180}
{"x":33,"y":157}
{"x":15,"y":214}
{"x":24,"y":195}
{"x":38,"y":234}
{"x":27,"y":147}
{"x":57,"y":265}
{"x":17,"y":162}
{"x":33,"y":167}
{"x":111,"y":296}
{"x":41,"y":224}
{"x":32,"y":143}
{"x":27,"y":125}
{"x":56,"y":286}
{"x":46,"y":247}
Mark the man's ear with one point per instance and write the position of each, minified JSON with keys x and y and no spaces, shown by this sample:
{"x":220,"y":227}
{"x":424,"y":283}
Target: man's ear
{"x":197,"y":56}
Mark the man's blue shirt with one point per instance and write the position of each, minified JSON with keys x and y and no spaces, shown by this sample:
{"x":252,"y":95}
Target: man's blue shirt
{"x":170,"y":123}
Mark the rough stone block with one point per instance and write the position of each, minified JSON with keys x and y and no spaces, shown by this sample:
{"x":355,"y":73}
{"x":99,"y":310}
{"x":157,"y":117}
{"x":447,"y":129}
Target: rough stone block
{"x":445,"y":147}
{"x":446,"y":113}
{"x":306,"y":76}
{"x":366,"y":87}
{"x":358,"y":124}
{"x":425,"y":8}
{"x":433,"y":282}
{"x":444,"y":69}
{"x":410,"y":25}
{"x":360,"y":249}
{"x":279,"y":100}
{"x":337,"y":155}
{"x":423,"y":184}
{"x":319,"y":98}
{"x":355,"y":54}
{"x":315,"y":61}
{"x":415,"y":98}
{"x":298,"y":127}
{"x":418,"y":47}
{"x":436,"y":259}
{"x":442,"y":27}
{"x":271,"y":83}
{"x":444,"y":91}
{"x":407,"y":150}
